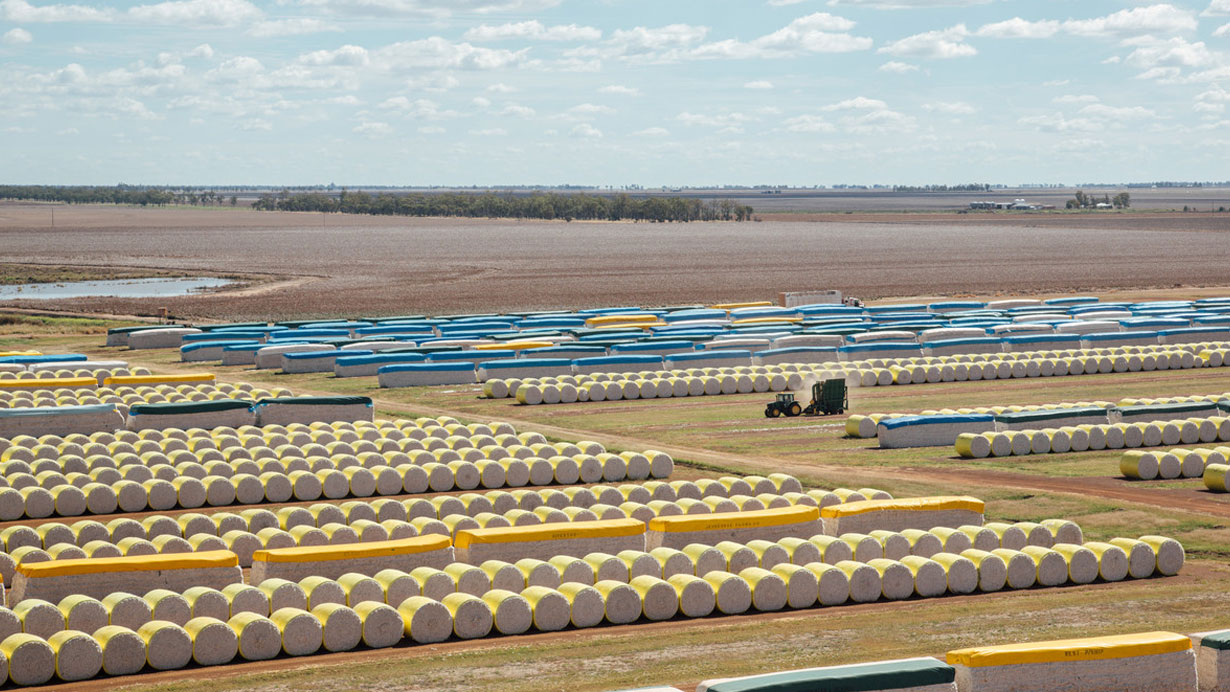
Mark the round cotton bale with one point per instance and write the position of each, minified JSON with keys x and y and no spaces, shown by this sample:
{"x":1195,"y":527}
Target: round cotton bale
{"x":123,"y":651}
{"x":466,"y":579}
{"x":696,"y":597}
{"x":302,"y":633}
{"x":1082,"y":562}
{"x":896,"y":580}
{"x":426,"y":621}
{"x":992,"y":571}
{"x":732,"y":593}
{"x":981,"y":537}
{"x":973,"y":446}
{"x":704,"y":558}
{"x":1191,"y":462}
{"x":550,"y":608}
{"x":802,"y":585}
{"x":1009,"y":536}
{"x":206,"y":602}
{"x":953,"y":540}
{"x":86,"y":614}
{"x":472,"y":617}
{"x":246,"y":599}
{"x":38,"y":502}
{"x":214,"y":643}
{"x":1134,"y":435}
{"x":961,"y":573}
{"x":930,"y":577}
{"x":571,"y":569}
{"x":922,"y":543}
{"x":382,"y":624}
{"x":832,"y":584}
{"x":800,"y":551}
{"x":1172,"y":433}
{"x":433,"y":582}
{"x":15,"y":537}
{"x":622,"y":603}
{"x":258,"y":638}
{"x":169,"y":606}
{"x":38,"y":617}
{"x":895,"y":546}
{"x":167,"y":645}
{"x":769,"y":590}
{"x":539,"y":573}
{"x":1141,"y":558}
{"x":1035,"y":534}
{"x":738,"y":556}
{"x":1051,"y":569}
{"x":863,"y":548}
{"x":283,"y":594}
{"x":864,"y":580}
{"x":126,"y":610}
{"x":1112,"y":560}
{"x":1114,"y":436}
{"x":77,"y":655}
{"x":341,"y":627}
{"x":1064,"y":531}
{"x":659,"y":600}
{"x":510,"y":612}
{"x":31,"y":660}
{"x":1168,"y":465}
{"x":1021,"y":570}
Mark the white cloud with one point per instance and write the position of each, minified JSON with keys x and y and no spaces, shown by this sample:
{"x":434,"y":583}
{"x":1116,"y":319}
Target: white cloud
{"x":856,"y":103}
{"x":440,"y":9}
{"x":431,"y":130}
{"x":533,"y":30}
{"x":501,"y":88}
{"x":783,"y":3}
{"x":898,"y":67}
{"x":433,"y":81}
{"x":1217,"y":7}
{"x":481,"y":101}
{"x":584,"y":111}
{"x":938,"y":45}
{"x":22,"y":12}
{"x":880,"y":121}
{"x":724,"y":120}
{"x":950,"y":108}
{"x":1118,"y":114}
{"x":1020,"y":28}
{"x":347,"y":100}
{"x":758,"y":84}
{"x":290,"y":27}
{"x":1154,"y":19}
{"x":373,"y":129}
{"x":646,"y":42}
{"x":819,"y":32}
{"x":1173,"y":52}
{"x":438,"y":52}
{"x":619,"y":90}
{"x":346,"y":56}
{"x":1075,"y":98}
{"x":652,"y":132}
{"x":1223,"y":30}
{"x":423,"y":109}
{"x":907,"y":4}
{"x":586,"y":131}
{"x":16,"y":37}
{"x":196,"y":13}
{"x":808,"y":123}
{"x":517,"y":110}
{"x":490,"y":132}
{"x":1056,"y":122}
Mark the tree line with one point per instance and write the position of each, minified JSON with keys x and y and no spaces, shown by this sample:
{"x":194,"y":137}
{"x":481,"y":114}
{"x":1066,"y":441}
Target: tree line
{"x":1083,"y":201}
{"x":550,"y":206}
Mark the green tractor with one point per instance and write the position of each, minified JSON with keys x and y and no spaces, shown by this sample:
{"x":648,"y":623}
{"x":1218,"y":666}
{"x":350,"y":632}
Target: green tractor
{"x":827,"y":398}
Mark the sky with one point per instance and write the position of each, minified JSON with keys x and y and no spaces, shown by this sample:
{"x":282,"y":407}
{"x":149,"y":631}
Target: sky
{"x":613,"y":92}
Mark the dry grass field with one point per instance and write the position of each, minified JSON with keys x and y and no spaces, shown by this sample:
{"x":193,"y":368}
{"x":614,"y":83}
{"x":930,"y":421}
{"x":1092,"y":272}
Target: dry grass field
{"x":313,"y":265}
{"x":309,"y":265}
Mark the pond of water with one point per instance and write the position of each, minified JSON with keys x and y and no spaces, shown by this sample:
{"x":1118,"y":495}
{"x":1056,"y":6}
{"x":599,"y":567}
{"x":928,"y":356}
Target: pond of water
{"x":122,"y":288}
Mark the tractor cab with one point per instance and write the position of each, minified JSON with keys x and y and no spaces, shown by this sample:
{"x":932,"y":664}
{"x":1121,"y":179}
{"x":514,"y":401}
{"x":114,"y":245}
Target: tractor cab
{"x":827,"y":398}
{"x":783,"y":405}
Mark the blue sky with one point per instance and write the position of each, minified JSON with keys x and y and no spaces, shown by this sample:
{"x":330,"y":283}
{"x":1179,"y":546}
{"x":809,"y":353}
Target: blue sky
{"x":613,"y":92}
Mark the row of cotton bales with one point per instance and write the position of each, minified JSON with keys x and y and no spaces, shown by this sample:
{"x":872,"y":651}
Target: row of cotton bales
{"x":272,"y":618}
{"x":866,"y":425}
{"x":1092,"y":437}
{"x":95,"y":370}
{"x":126,"y":396}
{"x":748,"y":379}
{"x":353,"y":522}
{"x":1175,"y":463}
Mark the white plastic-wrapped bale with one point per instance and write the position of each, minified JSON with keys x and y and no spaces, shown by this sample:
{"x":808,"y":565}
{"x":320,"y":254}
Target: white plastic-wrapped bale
{"x":1142,"y":662}
{"x":906,"y":675}
{"x":333,"y":561}
{"x":923,"y":513}
{"x":930,"y":431}
{"x":101,"y":577}
{"x":475,"y":546}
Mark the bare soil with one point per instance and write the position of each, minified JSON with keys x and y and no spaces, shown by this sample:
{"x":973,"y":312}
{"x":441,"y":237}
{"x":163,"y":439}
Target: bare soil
{"x":331,"y":265}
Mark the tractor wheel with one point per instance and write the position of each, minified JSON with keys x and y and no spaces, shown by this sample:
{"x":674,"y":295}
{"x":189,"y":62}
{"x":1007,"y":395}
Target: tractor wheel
{"x":771,"y":412}
{"x":795,"y":409}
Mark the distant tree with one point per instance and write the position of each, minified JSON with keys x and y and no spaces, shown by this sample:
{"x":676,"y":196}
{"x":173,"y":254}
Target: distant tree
{"x":234,"y":200}
{"x":1122,"y":200}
